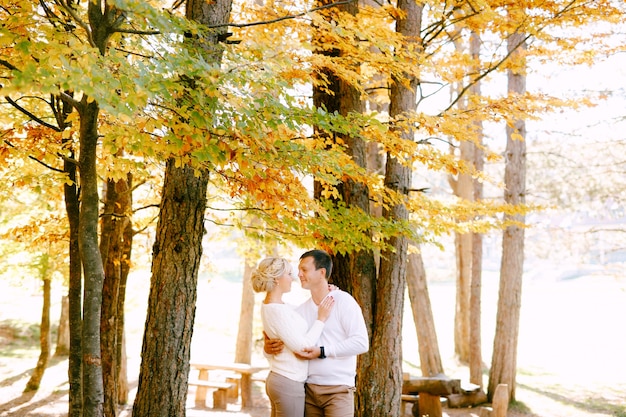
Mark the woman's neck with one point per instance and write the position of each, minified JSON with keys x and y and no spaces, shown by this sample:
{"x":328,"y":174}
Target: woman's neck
{"x":273,"y":297}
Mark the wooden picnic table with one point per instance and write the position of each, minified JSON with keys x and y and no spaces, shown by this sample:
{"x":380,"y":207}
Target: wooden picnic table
{"x":244,"y":370}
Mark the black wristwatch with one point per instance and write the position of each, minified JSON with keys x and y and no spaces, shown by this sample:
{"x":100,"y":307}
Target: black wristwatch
{"x":322,"y":354}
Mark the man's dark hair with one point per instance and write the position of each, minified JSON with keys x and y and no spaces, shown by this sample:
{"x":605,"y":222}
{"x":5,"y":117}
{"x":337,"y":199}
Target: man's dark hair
{"x":321,"y":259}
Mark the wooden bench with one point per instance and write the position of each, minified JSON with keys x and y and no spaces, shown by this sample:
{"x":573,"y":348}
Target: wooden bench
{"x":427,"y":393}
{"x":414,"y":399}
{"x":219,"y":395}
{"x":406,"y":400}
{"x":238,"y":375}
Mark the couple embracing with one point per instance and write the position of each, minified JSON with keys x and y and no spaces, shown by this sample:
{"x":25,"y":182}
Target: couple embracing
{"x":311,"y":348}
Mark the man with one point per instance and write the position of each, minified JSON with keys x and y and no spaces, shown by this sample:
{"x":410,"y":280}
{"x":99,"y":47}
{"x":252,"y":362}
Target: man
{"x":330,"y":384}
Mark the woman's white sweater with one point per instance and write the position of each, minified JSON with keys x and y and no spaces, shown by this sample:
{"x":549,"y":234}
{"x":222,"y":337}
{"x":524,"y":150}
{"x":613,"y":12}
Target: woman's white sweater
{"x":281,"y":321}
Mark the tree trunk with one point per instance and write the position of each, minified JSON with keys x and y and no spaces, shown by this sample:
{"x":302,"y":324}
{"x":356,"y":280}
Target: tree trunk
{"x":44,"y":337}
{"x":164,"y":370}
{"x":74,"y":295}
{"x":504,"y":359}
{"x":463,"y":245}
{"x":430,"y":358}
{"x":384,"y":365}
{"x":63,"y":333}
{"x":93,"y":390}
{"x":127,"y":246}
{"x":464,"y":189}
{"x":475,"y":342}
{"x":117,"y":206}
{"x":75,"y":362}
{"x":122,"y":373}
{"x":243,"y":350}
{"x":162,"y":389}
{"x":354,"y":272}
{"x":109,"y":299}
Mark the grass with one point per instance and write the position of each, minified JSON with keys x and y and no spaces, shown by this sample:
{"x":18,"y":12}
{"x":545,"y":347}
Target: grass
{"x":18,"y":339}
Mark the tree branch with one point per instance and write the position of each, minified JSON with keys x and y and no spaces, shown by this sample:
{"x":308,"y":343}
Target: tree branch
{"x":8,"y":65}
{"x":149,"y":206}
{"x":31,"y":115}
{"x":137,"y":32}
{"x":126,"y":51}
{"x":559,"y":13}
{"x":78,"y":20}
{"x":39,"y":161}
{"x":70,"y":100}
{"x":280,"y":19}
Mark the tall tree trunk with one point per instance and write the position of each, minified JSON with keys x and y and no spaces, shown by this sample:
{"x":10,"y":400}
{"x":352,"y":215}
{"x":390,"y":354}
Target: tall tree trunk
{"x":243,"y":349}
{"x":504,"y":359}
{"x":126,"y":253}
{"x":93,"y":390}
{"x":385,"y":357}
{"x":63,"y":333}
{"x":109,"y":299}
{"x":122,"y":374}
{"x":463,"y":188}
{"x":115,"y":218}
{"x":103,"y":22}
{"x":164,"y":370}
{"x":165,"y":354}
{"x":475,"y":343}
{"x":75,"y":295}
{"x":44,"y":334}
{"x":430,"y":358}
{"x":354,"y":272}
{"x":62,"y":109}
{"x":463,"y":245}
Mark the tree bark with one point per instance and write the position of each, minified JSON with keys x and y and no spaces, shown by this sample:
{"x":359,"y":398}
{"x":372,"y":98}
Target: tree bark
{"x":243,"y":349}
{"x":75,"y":362}
{"x":504,"y":359}
{"x":103,"y":22}
{"x":63,"y":333}
{"x":463,"y":244}
{"x":162,"y":389}
{"x":475,"y":340}
{"x":93,"y":390}
{"x":385,"y":355}
{"x":430,"y":357}
{"x":127,"y":246}
{"x":463,"y":188}
{"x":115,"y":219}
{"x":354,"y":272}
{"x":122,"y":374}
{"x":44,"y":336}
{"x":72,"y":207}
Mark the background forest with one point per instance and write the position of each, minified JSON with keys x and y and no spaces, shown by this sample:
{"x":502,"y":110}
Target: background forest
{"x":160,"y":147}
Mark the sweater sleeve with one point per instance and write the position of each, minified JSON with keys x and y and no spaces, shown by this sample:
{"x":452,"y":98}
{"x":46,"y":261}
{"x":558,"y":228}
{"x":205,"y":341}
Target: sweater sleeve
{"x":355,"y":340}
{"x":291,"y":328}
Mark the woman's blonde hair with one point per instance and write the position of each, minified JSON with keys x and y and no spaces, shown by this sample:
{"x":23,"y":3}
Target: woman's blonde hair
{"x":267,"y":272}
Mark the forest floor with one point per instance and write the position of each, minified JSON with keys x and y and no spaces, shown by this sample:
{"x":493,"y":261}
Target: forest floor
{"x":571,"y":355}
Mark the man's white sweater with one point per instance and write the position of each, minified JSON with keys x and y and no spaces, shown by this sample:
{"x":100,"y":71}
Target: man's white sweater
{"x":344,"y":337}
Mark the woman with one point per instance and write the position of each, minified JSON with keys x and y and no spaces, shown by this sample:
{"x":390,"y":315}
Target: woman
{"x":285,"y":382}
